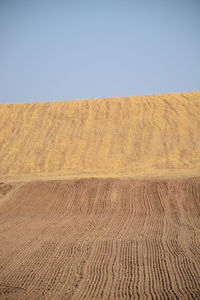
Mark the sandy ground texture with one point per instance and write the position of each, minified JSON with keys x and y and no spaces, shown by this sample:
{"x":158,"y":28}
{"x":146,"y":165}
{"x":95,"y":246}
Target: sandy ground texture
{"x":100,"y":198}
{"x":112,"y":137}
{"x":100,"y":239}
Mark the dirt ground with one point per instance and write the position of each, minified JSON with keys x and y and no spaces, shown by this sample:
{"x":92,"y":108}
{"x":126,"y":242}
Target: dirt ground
{"x":100,"y":239}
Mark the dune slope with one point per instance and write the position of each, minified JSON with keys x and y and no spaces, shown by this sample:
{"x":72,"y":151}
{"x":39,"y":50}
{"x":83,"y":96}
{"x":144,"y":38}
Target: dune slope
{"x":101,"y":137}
{"x":100,"y":199}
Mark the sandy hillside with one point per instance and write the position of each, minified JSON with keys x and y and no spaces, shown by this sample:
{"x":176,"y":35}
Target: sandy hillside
{"x":100,"y":199}
{"x":101,"y":137}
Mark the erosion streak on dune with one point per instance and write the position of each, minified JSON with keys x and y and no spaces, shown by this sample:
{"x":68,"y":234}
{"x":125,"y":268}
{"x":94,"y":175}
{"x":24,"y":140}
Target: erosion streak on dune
{"x":101,"y":239}
{"x":110,"y":137}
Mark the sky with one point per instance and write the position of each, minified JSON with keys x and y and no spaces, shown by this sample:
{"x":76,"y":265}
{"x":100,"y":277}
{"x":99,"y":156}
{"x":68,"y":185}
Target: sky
{"x":73,"y":49}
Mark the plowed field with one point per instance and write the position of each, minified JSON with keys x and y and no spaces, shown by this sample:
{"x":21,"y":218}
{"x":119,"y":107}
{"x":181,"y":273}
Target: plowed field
{"x":100,"y":239}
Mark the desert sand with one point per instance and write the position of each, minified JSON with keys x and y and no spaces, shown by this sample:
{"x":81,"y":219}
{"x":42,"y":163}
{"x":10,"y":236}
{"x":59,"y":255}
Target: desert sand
{"x":100,"y":199}
{"x":124,"y":136}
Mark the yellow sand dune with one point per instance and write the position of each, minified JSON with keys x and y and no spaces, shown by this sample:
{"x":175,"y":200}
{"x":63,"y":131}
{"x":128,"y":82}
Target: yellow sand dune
{"x":122,"y":136}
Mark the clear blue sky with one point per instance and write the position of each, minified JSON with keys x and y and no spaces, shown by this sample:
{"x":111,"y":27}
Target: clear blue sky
{"x":59,"y":50}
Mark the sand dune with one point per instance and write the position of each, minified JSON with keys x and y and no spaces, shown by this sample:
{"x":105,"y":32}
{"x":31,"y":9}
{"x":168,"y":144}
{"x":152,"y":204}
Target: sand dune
{"x":101,"y":137}
{"x":101,"y":239}
{"x":130,"y":230}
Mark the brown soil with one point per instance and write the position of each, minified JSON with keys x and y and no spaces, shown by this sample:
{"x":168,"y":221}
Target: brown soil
{"x":100,"y":239}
